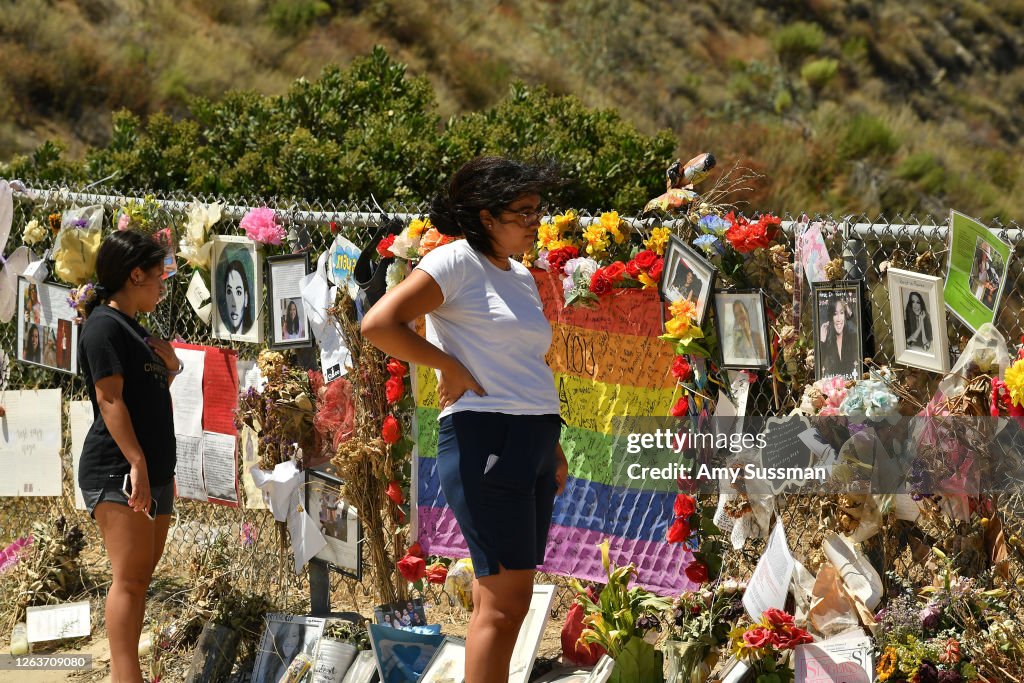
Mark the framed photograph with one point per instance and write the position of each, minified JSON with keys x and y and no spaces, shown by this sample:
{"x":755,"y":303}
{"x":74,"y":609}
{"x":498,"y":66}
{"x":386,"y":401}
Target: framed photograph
{"x":742,"y":329}
{"x":838,"y":346}
{"x":401,"y":614}
{"x":918,"y":320}
{"x":363,"y":669}
{"x":687,"y":275}
{"x":977,"y":270}
{"x":602,"y":671}
{"x":402,"y":655}
{"x":285,"y":636}
{"x":289,"y":326}
{"x":448,"y":664}
{"x":339,"y":523}
{"x":47,"y":335}
{"x":530,"y":633}
{"x":236,"y":286}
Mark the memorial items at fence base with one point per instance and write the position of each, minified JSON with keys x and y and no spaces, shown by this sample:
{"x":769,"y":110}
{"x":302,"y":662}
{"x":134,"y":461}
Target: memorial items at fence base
{"x":339,"y":649}
{"x":402,"y":614}
{"x":284,"y":638}
{"x":769,"y":583}
{"x":30,"y":444}
{"x":47,"y":334}
{"x":976,"y":271}
{"x":846,"y":658}
{"x":524,"y":654}
{"x":918,"y":320}
{"x":402,"y":655}
{"x":339,"y":524}
{"x":448,"y":665}
{"x":236,"y":283}
{"x":697,"y":626}
{"x":762,"y":645}
{"x":458,"y":582}
{"x":289,"y":324}
{"x":214,"y":653}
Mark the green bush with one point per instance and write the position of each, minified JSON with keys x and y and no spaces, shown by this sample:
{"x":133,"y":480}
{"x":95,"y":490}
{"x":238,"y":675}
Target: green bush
{"x":293,"y":16}
{"x":867,"y":136}
{"x":796,"y":41}
{"x":819,"y":72}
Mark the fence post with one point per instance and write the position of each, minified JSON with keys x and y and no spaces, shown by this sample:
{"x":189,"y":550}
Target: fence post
{"x":319,"y":590}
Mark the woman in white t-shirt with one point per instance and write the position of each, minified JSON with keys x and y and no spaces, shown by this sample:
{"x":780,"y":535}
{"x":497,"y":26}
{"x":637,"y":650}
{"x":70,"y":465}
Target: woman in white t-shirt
{"x":499,"y":460}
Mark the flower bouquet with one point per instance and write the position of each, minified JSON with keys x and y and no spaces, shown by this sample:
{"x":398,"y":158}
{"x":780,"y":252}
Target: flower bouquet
{"x":763,"y":645}
{"x":417,"y":240}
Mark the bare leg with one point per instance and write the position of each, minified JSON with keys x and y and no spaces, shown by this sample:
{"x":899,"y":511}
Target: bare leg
{"x":500,"y":603}
{"x":130,"y":541}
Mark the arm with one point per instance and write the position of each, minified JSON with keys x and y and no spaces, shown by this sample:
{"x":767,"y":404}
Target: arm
{"x":167,"y":355}
{"x":119,"y":424}
{"x":386,"y":327}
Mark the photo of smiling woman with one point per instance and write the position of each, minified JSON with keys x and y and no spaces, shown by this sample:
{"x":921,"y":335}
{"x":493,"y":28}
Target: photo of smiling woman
{"x":235,"y":286}
{"x":837,"y":337}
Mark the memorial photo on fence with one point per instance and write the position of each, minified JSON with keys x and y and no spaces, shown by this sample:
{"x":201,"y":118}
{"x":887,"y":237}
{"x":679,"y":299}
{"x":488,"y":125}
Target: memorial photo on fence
{"x":46,"y":333}
{"x":742,"y":329}
{"x":687,"y":275}
{"x":236,"y":282}
{"x":339,"y":523}
{"x":289,"y":327}
{"x":985,"y":273}
{"x":918,"y":320}
{"x":837,"y":330}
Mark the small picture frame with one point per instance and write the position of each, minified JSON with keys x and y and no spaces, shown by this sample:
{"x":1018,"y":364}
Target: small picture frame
{"x":236,"y":286}
{"x":338,"y":522}
{"x":918,"y":320}
{"x":284,"y":638}
{"x":47,"y":333}
{"x":289,"y":324}
{"x":602,"y":671}
{"x":742,"y":329}
{"x":401,"y":614}
{"x":363,"y":669}
{"x":838,"y":341}
{"x":448,"y":664}
{"x":530,"y":633}
{"x":687,"y":275}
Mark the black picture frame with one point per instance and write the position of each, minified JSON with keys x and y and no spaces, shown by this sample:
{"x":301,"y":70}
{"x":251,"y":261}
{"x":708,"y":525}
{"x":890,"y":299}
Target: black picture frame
{"x":337,"y":548}
{"x":276,"y":309}
{"x":730,"y":361}
{"x":679,"y":252}
{"x":826,"y":358}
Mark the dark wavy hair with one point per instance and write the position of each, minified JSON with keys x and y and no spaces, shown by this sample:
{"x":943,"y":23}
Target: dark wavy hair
{"x":909,"y":319}
{"x":121,"y":252}
{"x":490,"y":183}
{"x":291,"y":325}
{"x":235,"y":266}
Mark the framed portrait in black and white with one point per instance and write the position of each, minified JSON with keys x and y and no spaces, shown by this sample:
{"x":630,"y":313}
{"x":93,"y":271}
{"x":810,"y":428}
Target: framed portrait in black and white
{"x":236,"y":284}
{"x":918,"y":320}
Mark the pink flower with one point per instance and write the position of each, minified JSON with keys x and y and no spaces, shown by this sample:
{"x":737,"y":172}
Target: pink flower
{"x":261,"y":226}
{"x":123,"y":221}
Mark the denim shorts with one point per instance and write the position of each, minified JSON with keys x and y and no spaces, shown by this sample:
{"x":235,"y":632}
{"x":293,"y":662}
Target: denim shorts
{"x":112,"y":493}
{"x":497,"y":472}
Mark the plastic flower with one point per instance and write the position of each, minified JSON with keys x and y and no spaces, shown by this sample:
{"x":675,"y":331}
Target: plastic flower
{"x":745,"y":236}
{"x":682,"y":407}
{"x":684,"y":308}
{"x":707,"y":243}
{"x":394,"y":492}
{"x":1015,"y":382}
{"x":684,"y":505}
{"x":432,"y":239}
{"x":194,"y":247}
{"x":596,"y":237}
{"x":384,"y":246}
{"x":681,"y":369}
{"x":437,"y":573}
{"x":612,"y":224}
{"x":713,"y":225}
{"x":557,"y":258}
{"x":678,"y":532}
{"x":697,"y":572}
{"x":657,"y":241}
{"x":405,"y":246}
{"x":261,"y":226}
{"x":390,"y":432}
{"x":886,"y":666}
{"x":396,"y":273}
{"x":412,"y":568}
{"x":418,"y":226}
{"x":394,"y":389}
{"x":34,"y":233}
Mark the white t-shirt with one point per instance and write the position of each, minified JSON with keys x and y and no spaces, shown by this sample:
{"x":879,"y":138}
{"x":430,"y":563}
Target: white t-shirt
{"x":492,"y":321}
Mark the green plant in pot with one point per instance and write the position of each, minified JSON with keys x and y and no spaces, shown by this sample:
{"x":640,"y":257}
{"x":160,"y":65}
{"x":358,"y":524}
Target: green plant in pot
{"x":618,"y":619}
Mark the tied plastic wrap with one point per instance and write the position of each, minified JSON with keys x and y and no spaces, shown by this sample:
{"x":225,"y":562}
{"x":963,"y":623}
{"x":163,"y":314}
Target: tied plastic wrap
{"x":986,"y":351}
{"x":459,"y":583}
{"x":76,"y":245}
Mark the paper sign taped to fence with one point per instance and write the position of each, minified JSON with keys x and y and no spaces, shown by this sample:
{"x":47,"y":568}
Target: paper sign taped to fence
{"x":54,"y":622}
{"x":80,"y":420}
{"x":770,"y":582}
{"x":30,"y":441}
{"x":843,"y":659}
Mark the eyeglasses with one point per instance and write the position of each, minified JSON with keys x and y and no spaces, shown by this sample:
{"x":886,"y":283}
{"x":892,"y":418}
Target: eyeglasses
{"x":528,"y":216}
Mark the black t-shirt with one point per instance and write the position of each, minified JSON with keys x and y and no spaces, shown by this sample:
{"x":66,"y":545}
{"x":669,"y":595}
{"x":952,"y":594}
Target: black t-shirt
{"x":111,"y":343}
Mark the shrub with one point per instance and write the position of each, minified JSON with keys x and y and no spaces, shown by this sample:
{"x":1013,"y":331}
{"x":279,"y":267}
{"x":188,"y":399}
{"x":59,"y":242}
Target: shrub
{"x":293,"y":16}
{"x":866,"y":136}
{"x":819,"y":72}
{"x":796,"y":41}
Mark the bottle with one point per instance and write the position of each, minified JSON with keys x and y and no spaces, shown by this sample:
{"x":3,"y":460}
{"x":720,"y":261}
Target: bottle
{"x":298,"y":669}
{"x":19,"y":639}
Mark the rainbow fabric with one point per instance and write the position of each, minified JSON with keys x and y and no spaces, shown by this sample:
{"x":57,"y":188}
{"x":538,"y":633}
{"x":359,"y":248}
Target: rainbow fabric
{"x":608,"y":363}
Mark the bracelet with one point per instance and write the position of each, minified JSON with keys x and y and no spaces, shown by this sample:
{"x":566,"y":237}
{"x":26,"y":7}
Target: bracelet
{"x":175,"y":373}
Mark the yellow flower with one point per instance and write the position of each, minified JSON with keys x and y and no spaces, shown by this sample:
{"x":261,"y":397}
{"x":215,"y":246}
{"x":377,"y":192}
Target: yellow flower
{"x":611,"y":222}
{"x":417,"y":227}
{"x":679,"y":327}
{"x":647,"y":281}
{"x":34,"y":233}
{"x":657,"y":241}
{"x":684,"y":308}
{"x":558,"y":244}
{"x":547,"y":234}
{"x":1015,"y":382}
{"x":565,"y":221}
{"x":597,"y":240}
{"x":887,"y":664}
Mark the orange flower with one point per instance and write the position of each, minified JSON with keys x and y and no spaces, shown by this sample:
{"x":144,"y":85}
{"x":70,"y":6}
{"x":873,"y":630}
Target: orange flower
{"x":684,"y":308}
{"x":431,"y":240}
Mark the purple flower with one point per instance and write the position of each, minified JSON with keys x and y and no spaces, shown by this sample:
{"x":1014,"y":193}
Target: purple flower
{"x":927,"y":673}
{"x":930,"y":615}
{"x":950,"y":677}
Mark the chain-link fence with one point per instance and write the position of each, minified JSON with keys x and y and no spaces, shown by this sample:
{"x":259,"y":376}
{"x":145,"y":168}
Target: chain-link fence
{"x":264,"y":566}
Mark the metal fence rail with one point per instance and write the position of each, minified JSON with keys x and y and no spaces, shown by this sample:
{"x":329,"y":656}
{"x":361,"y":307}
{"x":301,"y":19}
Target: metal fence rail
{"x":261,"y":565}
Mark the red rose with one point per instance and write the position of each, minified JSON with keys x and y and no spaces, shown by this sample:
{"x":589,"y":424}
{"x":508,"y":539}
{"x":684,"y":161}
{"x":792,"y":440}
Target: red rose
{"x":684,"y":506}
{"x":396,"y":368}
{"x":645,"y":259}
{"x":697,"y":572}
{"x":437,"y":573}
{"x":557,"y":258}
{"x":412,"y":568}
{"x":600,"y":283}
{"x":384,"y":246}
{"x":615,"y":271}
{"x":394,"y":389}
{"x":415,"y":549}
{"x":681,"y":369}
{"x":678,"y":532}
{"x":655,"y":272}
{"x":633,"y":270}
{"x":682,"y":407}
{"x":777,"y":618}
{"x":758,"y":636}
{"x":791,"y":637}
{"x":390,"y":431}
{"x":394,"y":492}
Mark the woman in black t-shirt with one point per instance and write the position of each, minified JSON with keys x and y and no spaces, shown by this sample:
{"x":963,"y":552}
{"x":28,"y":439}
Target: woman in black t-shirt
{"x":130,"y":445}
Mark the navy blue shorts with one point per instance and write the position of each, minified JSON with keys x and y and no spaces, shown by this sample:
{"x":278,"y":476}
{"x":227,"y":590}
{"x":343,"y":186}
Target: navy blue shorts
{"x":112,"y":493}
{"x":498,"y":475}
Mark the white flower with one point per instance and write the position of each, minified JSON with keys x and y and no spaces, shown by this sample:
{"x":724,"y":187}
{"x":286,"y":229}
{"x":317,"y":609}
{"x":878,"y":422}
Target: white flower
{"x":396,"y":273}
{"x":405,"y":247}
{"x":34,"y":233}
{"x":194,"y":247}
{"x":586,"y":266}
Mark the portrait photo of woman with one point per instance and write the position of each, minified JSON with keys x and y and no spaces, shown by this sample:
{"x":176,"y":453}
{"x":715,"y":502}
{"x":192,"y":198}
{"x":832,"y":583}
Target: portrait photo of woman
{"x":33,"y":309}
{"x":741,"y":328}
{"x":236,"y":284}
{"x":919,"y":335}
{"x":292,"y":322}
{"x":33,"y":348}
{"x":837,"y":337}
{"x":917,"y":324}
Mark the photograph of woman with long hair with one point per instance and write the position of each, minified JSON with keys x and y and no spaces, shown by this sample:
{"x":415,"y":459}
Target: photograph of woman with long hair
{"x":984,"y":277}
{"x":292,"y":326}
{"x":838,"y":341}
{"x":236,"y":314}
{"x":33,"y":350}
{"x":917,"y":325}
{"x":33,"y":309}
{"x":740,"y":320}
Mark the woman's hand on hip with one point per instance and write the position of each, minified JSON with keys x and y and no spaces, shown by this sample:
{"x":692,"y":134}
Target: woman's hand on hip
{"x":454,"y":382}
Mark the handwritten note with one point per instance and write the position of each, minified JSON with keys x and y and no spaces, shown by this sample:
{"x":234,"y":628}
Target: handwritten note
{"x":30,"y":442}
{"x":187,"y":393}
{"x":219,"y":467}
{"x":188,"y":474}
{"x":79,"y":420}
{"x":198,"y":295}
{"x":770,"y":582}
{"x":54,"y":622}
